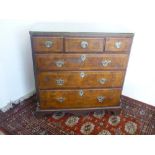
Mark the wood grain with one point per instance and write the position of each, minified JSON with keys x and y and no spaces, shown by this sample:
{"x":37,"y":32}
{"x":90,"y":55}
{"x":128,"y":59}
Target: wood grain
{"x":72,"y":99}
{"x":39,"y":44}
{"x":124,"y":47}
{"x":73,"y":44}
{"x":73,"y":79}
{"x":73,"y":61}
{"x":67,"y":49}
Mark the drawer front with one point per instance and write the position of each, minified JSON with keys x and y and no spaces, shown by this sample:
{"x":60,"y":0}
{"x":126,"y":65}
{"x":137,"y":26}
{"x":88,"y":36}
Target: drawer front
{"x":73,"y":44}
{"x":79,"y":98}
{"x":48,"y":62}
{"x":47,"y":44}
{"x":83,"y":79}
{"x":118,"y":44}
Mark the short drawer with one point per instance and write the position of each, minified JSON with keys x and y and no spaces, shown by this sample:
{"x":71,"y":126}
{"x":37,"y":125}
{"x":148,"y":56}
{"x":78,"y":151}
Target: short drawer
{"x":83,"y":98}
{"x":118,"y":44}
{"x":74,"y":44}
{"x":80,"y":79}
{"x":47,"y":44}
{"x":49,"y":62}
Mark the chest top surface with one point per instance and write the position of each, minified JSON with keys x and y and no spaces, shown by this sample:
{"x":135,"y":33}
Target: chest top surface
{"x":80,"y":28}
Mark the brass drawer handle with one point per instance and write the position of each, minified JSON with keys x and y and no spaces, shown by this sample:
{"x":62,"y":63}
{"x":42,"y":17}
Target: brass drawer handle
{"x":106,"y":62}
{"x":60,"y":99}
{"x":81,"y":92}
{"x":102,"y":81}
{"x":60,"y":82}
{"x":83,"y":57}
{"x":84,"y":44}
{"x":118,"y":44}
{"x":59,"y":63}
{"x":82,"y":74}
{"x":100,"y":99}
{"x":48,"y":44}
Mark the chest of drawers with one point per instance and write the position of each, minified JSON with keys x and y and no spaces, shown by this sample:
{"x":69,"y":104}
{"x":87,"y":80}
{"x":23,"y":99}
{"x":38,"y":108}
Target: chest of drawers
{"x":79,"y":71}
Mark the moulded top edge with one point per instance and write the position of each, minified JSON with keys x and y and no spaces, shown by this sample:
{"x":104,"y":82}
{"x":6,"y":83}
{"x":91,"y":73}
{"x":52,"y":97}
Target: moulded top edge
{"x":99,"y":29}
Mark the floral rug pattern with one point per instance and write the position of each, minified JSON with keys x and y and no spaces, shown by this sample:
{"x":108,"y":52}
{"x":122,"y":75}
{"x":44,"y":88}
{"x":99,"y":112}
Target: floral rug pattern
{"x":136,"y":118}
{"x":95,"y":123}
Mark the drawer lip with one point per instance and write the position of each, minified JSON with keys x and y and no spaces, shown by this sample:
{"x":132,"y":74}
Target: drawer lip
{"x":91,"y":79}
{"x":85,"y":89}
{"x":81,"y":88}
{"x":73,"y":44}
{"x":81,"y":52}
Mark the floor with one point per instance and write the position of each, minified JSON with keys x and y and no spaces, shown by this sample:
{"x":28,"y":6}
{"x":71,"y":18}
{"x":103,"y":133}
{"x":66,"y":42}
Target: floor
{"x":135,"y":118}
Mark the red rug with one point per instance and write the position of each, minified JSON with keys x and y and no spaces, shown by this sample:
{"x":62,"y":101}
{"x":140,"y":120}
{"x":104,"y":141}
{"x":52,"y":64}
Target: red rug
{"x":3,"y":132}
{"x":135,"y":118}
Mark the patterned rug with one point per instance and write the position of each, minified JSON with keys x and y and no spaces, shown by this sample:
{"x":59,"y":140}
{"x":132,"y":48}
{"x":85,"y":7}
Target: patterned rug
{"x":135,"y":118}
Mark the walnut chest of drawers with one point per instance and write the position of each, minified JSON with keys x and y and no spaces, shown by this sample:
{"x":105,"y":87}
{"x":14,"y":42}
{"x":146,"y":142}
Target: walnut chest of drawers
{"x":79,"y":71}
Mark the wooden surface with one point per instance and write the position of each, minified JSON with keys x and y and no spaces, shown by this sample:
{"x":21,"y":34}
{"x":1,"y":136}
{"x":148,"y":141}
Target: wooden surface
{"x":73,"y":44}
{"x":72,"y":99}
{"x":39,"y":44}
{"x":73,"y":79}
{"x":73,"y":61}
{"x":58,"y":69}
{"x":124,"y":47}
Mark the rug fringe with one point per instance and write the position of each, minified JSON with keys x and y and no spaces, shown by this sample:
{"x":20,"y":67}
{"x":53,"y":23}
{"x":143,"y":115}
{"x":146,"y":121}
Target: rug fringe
{"x":18,"y":101}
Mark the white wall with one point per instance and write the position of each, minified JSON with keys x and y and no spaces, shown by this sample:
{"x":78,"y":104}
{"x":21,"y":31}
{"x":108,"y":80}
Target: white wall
{"x":16,"y":73}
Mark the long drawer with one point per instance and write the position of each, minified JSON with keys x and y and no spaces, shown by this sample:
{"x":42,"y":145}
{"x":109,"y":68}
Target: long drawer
{"x":47,"y":62}
{"x":80,"y":79}
{"x":79,"y":98}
